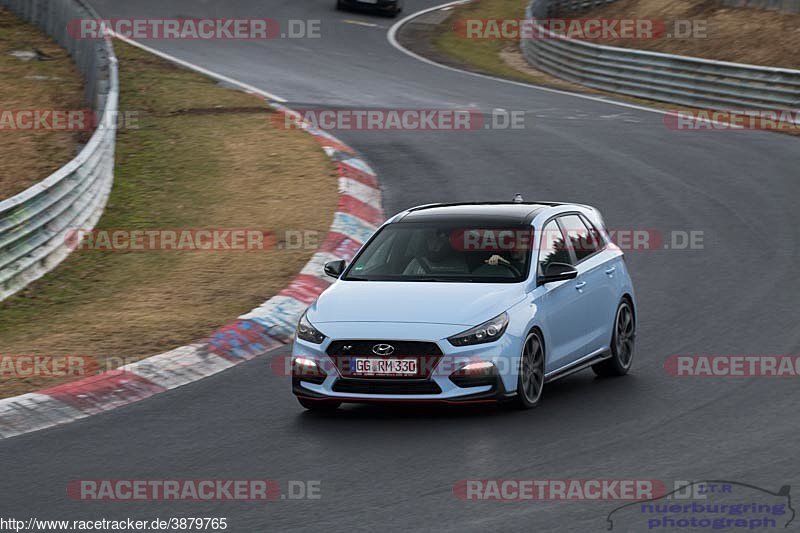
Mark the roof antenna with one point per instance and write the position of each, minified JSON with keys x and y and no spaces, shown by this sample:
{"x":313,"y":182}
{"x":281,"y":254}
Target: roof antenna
{"x":518,"y":199}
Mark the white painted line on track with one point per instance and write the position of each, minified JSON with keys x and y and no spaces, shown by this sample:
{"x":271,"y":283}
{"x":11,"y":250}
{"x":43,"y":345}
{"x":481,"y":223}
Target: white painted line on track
{"x":362,"y":23}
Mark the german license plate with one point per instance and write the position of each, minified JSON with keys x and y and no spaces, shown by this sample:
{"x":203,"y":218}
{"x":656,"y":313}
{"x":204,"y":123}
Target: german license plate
{"x":384,"y":367}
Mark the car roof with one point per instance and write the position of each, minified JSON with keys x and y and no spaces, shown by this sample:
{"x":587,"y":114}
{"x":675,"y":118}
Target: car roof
{"x":500,"y":212}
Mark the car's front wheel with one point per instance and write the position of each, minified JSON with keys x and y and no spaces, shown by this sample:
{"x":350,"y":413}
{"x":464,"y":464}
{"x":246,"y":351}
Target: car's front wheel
{"x":530,"y":382}
{"x":319,"y":405}
{"x":622,"y":344}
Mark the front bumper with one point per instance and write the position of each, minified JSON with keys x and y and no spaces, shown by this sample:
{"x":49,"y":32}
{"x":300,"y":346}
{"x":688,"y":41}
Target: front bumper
{"x":491,"y":397}
{"x":442,"y":382}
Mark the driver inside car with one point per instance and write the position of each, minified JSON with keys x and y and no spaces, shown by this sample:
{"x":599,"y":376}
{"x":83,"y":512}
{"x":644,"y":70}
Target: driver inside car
{"x":514,"y":260}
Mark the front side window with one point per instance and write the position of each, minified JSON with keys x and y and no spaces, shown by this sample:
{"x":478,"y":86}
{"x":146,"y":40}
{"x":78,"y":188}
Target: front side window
{"x":553,"y":247}
{"x":469,"y":251}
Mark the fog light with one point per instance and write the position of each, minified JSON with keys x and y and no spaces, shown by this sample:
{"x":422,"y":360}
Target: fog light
{"x":477,"y":367}
{"x":305,"y":369}
{"x":477,"y":374}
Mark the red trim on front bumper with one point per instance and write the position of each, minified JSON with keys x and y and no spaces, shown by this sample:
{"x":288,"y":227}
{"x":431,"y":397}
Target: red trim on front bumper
{"x":392,"y":400}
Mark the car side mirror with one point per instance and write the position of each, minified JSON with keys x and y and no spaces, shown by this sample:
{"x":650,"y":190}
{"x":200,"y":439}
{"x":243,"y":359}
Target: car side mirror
{"x":558,"y":272}
{"x":334,"y":269}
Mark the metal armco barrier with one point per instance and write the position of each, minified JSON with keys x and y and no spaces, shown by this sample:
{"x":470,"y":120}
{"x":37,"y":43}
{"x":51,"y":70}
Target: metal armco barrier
{"x":688,"y":81}
{"x":35,"y":223}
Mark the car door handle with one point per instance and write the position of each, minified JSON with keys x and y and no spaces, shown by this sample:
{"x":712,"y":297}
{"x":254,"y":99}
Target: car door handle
{"x":610,"y":270}
{"x":580,"y":285}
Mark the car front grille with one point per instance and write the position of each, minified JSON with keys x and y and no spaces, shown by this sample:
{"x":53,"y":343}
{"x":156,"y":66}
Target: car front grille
{"x":363,"y":348}
{"x":343,"y":353}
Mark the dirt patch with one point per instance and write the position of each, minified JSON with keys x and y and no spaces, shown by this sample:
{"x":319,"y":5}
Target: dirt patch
{"x":35,"y":74}
{"x":230,"y":167}
{"x":218,"y":111}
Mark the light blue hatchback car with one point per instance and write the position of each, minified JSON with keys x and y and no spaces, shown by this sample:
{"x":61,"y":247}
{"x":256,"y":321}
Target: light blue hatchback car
{"x":461,"y":303}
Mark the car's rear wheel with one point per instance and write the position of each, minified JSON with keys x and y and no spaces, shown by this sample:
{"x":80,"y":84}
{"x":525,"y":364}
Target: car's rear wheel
{"x":530,"y":382}
{"x":319,"y":405}
{"x":398,"y":8}
{"x":622,"y":344}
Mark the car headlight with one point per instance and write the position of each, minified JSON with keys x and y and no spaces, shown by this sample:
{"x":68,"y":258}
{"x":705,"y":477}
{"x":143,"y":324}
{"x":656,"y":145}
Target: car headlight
{"x":307,"y":332}
{"x":487,"y":332}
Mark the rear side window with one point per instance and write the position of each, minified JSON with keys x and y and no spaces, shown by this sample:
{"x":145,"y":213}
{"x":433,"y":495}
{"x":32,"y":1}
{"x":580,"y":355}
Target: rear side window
{"x":585,"y":239}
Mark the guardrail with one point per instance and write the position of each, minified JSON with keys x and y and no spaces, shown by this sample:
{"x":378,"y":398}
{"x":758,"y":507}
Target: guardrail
{"x":688,"y":81}
{"x":34,"y":224}
{"x":785,"y":6}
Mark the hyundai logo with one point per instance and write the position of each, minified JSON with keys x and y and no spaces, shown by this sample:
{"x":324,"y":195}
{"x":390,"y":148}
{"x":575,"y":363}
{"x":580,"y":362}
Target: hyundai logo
{"x":383,"y":349}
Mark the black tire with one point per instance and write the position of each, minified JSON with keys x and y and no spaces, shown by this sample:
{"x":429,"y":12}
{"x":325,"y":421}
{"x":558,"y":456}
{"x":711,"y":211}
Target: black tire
{"x":339,"y":5}
{"x":396,"y":11}
{"x":530,"y":382}
{"x":319,"y":405}
{"x":622,"y":344}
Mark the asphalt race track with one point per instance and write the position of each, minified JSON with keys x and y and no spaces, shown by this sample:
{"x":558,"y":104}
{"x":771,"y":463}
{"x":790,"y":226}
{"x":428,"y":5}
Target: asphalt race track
{"x":395,"y":468}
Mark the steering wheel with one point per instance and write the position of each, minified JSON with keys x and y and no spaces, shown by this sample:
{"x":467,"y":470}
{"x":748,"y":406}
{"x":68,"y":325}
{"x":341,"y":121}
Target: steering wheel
{"x":512,"y":268}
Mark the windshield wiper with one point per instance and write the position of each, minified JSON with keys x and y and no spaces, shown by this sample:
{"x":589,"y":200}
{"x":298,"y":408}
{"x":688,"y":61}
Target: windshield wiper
{"x":444,"y":280}
{"x":413,"y":279}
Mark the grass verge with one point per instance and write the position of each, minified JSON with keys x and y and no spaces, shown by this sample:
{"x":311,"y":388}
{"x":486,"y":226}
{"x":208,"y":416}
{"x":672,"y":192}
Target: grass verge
{"x":200,"y":156}
{"x":35,"y":74}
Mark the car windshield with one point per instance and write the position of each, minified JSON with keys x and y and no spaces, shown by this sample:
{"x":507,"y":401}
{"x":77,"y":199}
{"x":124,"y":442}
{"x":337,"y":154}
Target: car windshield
{"x":466,"y":252}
